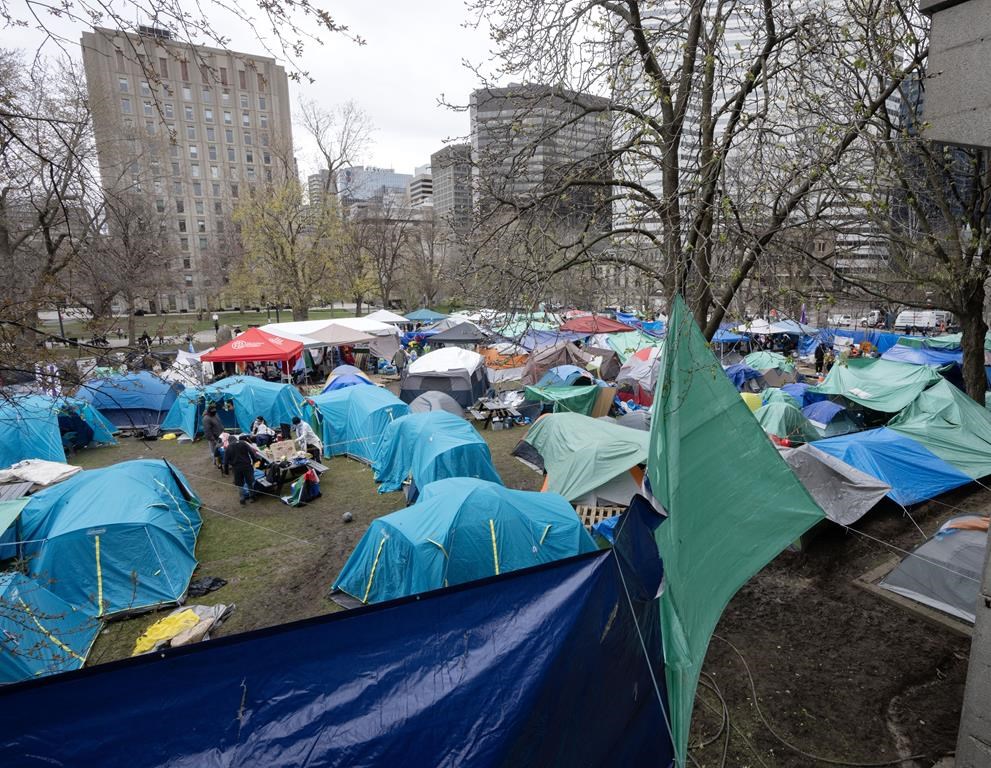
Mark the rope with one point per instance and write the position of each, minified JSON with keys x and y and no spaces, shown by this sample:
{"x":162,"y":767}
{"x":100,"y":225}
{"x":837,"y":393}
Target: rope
{"x":912,"y":554}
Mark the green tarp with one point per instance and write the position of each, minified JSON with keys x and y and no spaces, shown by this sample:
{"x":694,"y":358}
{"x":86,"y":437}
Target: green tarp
{"x":733,"y":504}
{"x":625,"y":344}
{"x":570,"y":399}
{"x":764,"y":361}
{"x":778,"y":395}
{"x":881,"y":385}
{"x":581,"y":453}
{"x":784,"y":420}
{"x":952,"y":426}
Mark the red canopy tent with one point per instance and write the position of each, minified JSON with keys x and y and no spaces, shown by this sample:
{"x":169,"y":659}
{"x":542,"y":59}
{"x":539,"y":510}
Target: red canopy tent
{"x":594,"y":324}
{"x":256,"y":346}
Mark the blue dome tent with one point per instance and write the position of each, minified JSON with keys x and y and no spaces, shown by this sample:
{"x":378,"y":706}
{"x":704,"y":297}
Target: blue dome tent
{"x":239,"y":400}
{"x":460,"y":530}
{"x":40,"y":634}
{"x":431,"y":446}
{"x":40,"y":427}
{"x":354,"y":419}
{"x":566,"y":376}
{"x":131,"y":399}
{"x":115,"y":539}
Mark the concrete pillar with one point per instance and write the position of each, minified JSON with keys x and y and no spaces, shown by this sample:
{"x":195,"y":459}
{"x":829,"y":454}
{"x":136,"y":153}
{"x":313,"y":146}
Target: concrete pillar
{"x":974,"y":738}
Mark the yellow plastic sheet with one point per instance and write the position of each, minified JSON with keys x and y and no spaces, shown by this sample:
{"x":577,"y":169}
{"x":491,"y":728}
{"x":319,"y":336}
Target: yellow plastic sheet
{"x":165,"y":629}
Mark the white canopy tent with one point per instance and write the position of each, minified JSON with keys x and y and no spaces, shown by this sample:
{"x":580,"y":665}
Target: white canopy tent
{"x":381,"y":338}
{"x":385,"y":316}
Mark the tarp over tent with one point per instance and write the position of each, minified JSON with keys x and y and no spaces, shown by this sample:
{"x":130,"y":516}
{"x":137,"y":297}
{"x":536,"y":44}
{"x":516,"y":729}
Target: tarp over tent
{"x":831,"y":419}
{"x":786,"y":422}
{"x":952,"y":426}
{"x":880,"y":385}
{"x":625,"y":344}
{"x":843,"y":492}
{"x":354,"y":419}
{"x":581,"y":454}
{"x":764,"y":361}
{"x":494,"y":633}
{"x":115,"y":539}
{"x":460,"y":530}
{"x":458,"y":372}
{"x":640,"y":368}
{"x":424,"y":315}
{"x":247,"y":396}
{"x":40,"y":633}
{"x":742,"y":374}
{"x":255,"y":345}
{"x":716,"y":534}
{"x":131,"y":399}
{"x":590,"y":324}
{"x":945,"y":572}
{"x":571,"y":399}
{"x":543,"y":360}
{"x":431,"y":446}
{"x":566,"y":376}
{"x":913,"y":471}
{"x":462,"y":333}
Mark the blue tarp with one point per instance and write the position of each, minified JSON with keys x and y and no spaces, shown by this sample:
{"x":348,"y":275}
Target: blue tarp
{"x":923,"y":355}
{"x":354,"y":419}
{"x":460,"y":530}
{"x":883,"y":340}
{"x":564,"y":376}
{"x":513,"y":670}
{"x":534,"y":339}
{"x":248,"y":398}
{"x":914,"y":473}
{"x":40,"y":634}
{"x":31,"y":427}
{"x":346,"y":380}
{"x":420,"y":336}
{"x":627,"y":317}
{"x":431,"y":446}
{"x":727,"y":337}
{"x":114,"y":539}
{"x":131,"y":399}
{"x":823,"y":411}
{"x":800,"y":391}
{"x":740,"y":374}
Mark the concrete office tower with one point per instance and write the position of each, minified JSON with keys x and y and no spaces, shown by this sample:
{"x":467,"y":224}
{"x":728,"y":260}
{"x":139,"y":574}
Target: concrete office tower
{"x":193,"y":128}
{"x":362,"y":182}
{"x":316,"y":183}
{"x":421,"y":189}
{"x":451,"y":172}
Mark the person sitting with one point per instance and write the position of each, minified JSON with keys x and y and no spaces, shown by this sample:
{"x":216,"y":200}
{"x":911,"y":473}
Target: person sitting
{"x":264,"y":435}
{"x":306,"y":438}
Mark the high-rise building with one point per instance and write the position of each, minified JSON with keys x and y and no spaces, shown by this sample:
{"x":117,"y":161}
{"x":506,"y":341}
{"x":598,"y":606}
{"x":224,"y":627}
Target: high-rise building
{"x":450,"y":169}
{"x":421,"y":188}
{"x":316,"y":183}
{"x":362,"y":182}
{"x":193,"y":127}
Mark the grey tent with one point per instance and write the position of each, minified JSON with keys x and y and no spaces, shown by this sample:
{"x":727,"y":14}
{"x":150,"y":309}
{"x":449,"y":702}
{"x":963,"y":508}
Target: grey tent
{"x":608,"y":370}
{"x":436,"y":401}
{"x":945,"y":572}
{"x":844,"y":492}
{"x":542,"y":360}
{"x":467,"y":334}
{"x":458,"y":372}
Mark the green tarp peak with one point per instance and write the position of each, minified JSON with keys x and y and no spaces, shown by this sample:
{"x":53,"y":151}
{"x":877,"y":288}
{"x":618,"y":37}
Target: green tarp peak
{"x":732,"y":502}
{"x":878,"y":384}
{"x":765,"y":361}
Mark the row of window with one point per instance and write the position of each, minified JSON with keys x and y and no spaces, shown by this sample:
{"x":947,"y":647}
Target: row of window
{"x":212,"y":153}
{"x":197,"y":190}
{"x":148,"y":108}
{"x":206,"y":75}
{"x":200,"y":225}
{"x":206,"y":94}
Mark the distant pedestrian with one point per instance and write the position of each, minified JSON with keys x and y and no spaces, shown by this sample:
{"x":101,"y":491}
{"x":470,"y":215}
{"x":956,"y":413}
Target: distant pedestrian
{"x":216,"y":322}
{"x":213,"y":428}
{"x":240,"y":457}
{"x":399,"y":360}
{"x":820,"y":355}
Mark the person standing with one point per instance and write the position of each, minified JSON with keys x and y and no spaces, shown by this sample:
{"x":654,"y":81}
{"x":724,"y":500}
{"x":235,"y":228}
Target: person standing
{"x":820,"y":355}
{"x":213,"y":428}
{"x":306,"y":438}
{"x":241,"y":458}
{"x":216,"y":324}
{"x":399,"y":360}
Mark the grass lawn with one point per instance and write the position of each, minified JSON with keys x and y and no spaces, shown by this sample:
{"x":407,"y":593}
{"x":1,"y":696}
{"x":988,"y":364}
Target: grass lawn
{"x":279,"y":561}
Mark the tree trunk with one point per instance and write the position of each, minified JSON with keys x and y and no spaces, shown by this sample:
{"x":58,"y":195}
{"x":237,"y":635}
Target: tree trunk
{"x":974,"y":330}
{"x":132,"y":324}
{"x":300,"y":312}
{"x":357,"y":305}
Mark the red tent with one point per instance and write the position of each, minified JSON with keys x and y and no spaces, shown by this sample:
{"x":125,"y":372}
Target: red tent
{"x":255,"y":346}
{"x":594,"y":324}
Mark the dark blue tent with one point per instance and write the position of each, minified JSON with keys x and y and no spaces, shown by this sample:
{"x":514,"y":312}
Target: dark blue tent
{"x":559,"y":665}
{"x":740,"y":374}
{"x":131,"y":399}
{"x":913,"y":471}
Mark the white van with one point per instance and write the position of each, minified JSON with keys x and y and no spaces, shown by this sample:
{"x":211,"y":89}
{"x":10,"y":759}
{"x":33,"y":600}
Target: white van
{"x":923,"y":319}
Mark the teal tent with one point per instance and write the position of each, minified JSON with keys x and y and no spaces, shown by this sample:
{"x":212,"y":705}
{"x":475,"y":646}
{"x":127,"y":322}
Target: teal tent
{"x":951,"y":425}
{"x":580,"y":399}
{"x":778,"y":395}
{"x":732,"y":504}
{"x":431,"y":446}
{"x":239,"y":399}
{"x":460,"y":530}
{"x":764,"y":361}
{"x":40,"y":633}
{"x":424,"y":315}
{"x":33,"y":426}
{"x":786,"y":422}
{"x":115,"y":539}
{"x":354,"y":419}
{"x":131,"y":399}
{"x":881,"y":385}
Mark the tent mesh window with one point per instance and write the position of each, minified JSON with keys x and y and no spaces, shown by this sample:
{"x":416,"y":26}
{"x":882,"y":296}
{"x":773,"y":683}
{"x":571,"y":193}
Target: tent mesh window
{"x":590,"y":515}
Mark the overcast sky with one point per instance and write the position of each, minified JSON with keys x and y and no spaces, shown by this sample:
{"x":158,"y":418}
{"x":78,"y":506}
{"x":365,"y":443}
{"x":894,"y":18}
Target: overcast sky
{"x":412,"y":57}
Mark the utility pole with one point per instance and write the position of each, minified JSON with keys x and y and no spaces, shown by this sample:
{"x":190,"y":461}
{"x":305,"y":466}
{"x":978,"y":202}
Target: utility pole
{"x":958,"y":111}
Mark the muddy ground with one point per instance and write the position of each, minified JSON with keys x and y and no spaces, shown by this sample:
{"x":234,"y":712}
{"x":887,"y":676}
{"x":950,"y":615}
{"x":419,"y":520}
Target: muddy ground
{"x":838,"y":672}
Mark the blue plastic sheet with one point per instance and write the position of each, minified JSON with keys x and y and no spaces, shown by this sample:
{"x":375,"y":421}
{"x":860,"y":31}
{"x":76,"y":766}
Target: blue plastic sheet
{"x":923,"y":355}
{"x":740,"y":374}
{"x":539,"y":667}
{"x":913,"y":471}
{"x":823,"y":411}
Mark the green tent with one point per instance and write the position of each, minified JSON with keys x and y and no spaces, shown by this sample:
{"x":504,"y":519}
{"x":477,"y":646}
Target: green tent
{"x":570,"y":399}
{"x":878,"y":384}
{"x":952,"y":426}
{"x":733,"y":504}
{"x":579,"y":453}
{"x":626,"y":343}
{"x":778,"y":395}
{"x":765,"y":361}
{"x":784,"y":420}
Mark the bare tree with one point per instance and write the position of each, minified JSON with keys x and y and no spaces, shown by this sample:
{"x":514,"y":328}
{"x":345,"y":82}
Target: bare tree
{"x":385,"y":229}
{"x":342,"y":135}
{"x":428,"y":263}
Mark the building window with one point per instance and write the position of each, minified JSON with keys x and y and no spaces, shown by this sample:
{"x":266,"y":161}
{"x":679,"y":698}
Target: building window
{"x":208,"y":115}
{"x":220,"y":226}
{"x":264,"y":139}
{"x":187,"y":112}
{"x":189,"y":281}
{"x":250,"y":172}
{"x":200,"y":225}
{"x":186,"y":262}
{"x":163,"y":66}
{"x":173,"y":150}
{"x":244,"y":101}
{"x":160,"y":206}
{"x":198,"y":205}
{"x":169,"y":110}
{"x":247,"y":138}
{"x":263,"y":121}
{"x":214,"y":172}
{"x":225,"y":98}
{"x":125,"y":106}
{"x":205,"y":94}
{"x":249,"y":156}
{"x":180,"y":206}
{"x":197,"y":189}
{"x":172,"y":303}
{"x":194,"y":170}
{"x":150,"y":127}
{"x":261,"y":81}
{"x":194,"y":151}
{"x":211,"y":133}
{"x":145,"y":88}
{"x":218,"y":207}
{"x":234,"y":190}
{"x":266,"y":157}
{"x":245,"y":119}
{"x":215,"y":191}
{"x":191,"y":132}
{"x":184,"y":243}
{"x":242,"y":79}
{"x":123,"y":84}
{"x":121,"y":62}
{"x":177,"y":187}
{"x":182,"y":225}
{"x":229,"y":135}
{"x":184,"y":69}
{"x":203,"y":242}
{"x":234,"y":174}
{"x":262,"y":103}
{"x":223,"y":76}
{"x":187,"y":93}
{"x":228,"y":117}
{"x":148,"y":108}
{"x":231,"y":155}
{"x":211,"y":152}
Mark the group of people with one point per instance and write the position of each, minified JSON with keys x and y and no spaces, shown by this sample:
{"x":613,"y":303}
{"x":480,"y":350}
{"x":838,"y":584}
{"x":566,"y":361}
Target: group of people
{"x":241,"y":453}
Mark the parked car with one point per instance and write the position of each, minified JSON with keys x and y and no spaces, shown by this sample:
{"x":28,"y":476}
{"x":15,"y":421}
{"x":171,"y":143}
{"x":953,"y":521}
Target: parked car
{"x":873,"y":319}
{"x":837,"y":320}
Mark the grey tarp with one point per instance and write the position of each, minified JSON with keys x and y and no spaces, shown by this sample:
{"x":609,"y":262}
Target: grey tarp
{"x":844,"y":492}
{"x":436,"y":401}
{"x":945,"y":572}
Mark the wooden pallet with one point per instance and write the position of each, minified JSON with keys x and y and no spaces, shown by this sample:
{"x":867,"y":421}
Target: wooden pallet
{"x":592,"y":515}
